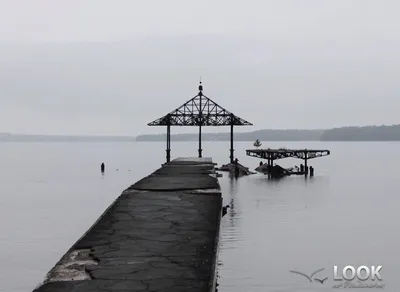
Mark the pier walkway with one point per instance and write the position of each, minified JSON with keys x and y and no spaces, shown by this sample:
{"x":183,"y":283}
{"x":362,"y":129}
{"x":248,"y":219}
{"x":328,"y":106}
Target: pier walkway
{"x":161,"y":234}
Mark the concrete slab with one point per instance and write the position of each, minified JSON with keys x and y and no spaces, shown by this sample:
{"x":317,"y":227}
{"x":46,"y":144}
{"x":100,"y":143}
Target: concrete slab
{"x":193,"y":160}
{"x":176,"y":183}
{"x":180,"y":175}
{"x":148,"y":241}
{"x":185,"y":169}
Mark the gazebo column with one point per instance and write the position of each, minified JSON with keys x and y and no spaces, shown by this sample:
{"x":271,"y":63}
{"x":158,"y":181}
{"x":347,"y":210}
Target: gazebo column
{"x":200,"y":117}
{"x":231,"y":150}
{"x":168,"y":143}
{"x":200,"y":150}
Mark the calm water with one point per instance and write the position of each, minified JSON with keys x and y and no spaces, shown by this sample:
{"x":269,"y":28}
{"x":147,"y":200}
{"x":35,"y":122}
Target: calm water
{"x":51,"y":193}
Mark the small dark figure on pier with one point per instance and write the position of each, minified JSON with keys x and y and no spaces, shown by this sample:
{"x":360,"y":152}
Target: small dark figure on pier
{"x":261,"y":163}
{"x":236,"y":168}
{"x":311,"y":171}
{"x":102,"y":167}
{"x":301,"y":167}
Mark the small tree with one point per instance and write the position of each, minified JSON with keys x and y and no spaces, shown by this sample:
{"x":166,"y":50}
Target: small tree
{"x":257,"y":143}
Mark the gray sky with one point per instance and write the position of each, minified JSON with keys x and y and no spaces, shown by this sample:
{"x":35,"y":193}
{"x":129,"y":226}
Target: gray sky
{"x":110,"y":67}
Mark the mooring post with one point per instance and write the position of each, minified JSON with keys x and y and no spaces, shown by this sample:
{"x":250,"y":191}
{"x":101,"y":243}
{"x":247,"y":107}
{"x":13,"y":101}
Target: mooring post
{"x":168,"y":143}
{"x":305,"y":162}
{"x":231,"y":150}
{"x":272,"y":164}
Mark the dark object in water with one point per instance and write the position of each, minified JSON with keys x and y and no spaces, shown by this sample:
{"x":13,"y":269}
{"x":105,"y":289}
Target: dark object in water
{"x":278,"y":171}
{"x":233,"y":168}
{"x":225,"y":210}
{"x":275,"y":171}
{"x":103,"y":167}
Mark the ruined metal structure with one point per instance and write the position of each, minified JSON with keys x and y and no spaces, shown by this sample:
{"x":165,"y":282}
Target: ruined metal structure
{"x":274,"y":154}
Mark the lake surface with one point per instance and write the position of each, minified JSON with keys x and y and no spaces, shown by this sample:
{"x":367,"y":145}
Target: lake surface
{"x":51,"y":193}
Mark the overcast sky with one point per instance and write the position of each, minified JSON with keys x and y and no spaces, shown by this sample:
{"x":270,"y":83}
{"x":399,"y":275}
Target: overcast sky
{"x":109,"y":67}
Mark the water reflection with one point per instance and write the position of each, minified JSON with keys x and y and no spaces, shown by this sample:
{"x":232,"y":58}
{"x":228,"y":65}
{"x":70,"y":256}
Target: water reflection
{"x":272,"y":227}
{"x":233,"y":190}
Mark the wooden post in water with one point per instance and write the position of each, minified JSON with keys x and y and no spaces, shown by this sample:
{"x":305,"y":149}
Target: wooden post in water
{"x":305,"y":162}
{"x":269,"y":165}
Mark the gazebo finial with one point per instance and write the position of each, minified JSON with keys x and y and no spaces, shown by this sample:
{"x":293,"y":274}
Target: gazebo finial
{"x":200,"y":86}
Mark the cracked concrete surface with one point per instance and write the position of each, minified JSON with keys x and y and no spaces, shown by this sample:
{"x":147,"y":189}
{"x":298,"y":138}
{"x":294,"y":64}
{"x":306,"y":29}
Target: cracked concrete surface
{"x":72,"y":267}
{"x":162,"y":239}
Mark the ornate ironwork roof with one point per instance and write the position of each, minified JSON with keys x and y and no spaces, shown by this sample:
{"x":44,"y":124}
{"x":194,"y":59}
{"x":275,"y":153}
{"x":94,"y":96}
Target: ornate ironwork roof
{"x":284,"y":153}
{"x":200,"y":111}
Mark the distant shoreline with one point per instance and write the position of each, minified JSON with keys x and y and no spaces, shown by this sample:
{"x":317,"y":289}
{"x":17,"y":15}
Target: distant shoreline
{"x":344,"y":134}
{"x":359,"y":134}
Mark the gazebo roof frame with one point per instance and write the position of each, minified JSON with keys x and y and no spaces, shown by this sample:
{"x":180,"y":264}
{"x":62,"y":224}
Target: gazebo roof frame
{"x":200,"y":111}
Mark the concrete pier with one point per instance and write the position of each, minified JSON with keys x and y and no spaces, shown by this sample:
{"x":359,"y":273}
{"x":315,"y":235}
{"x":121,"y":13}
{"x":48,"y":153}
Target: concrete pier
{"x":160,"y":235}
